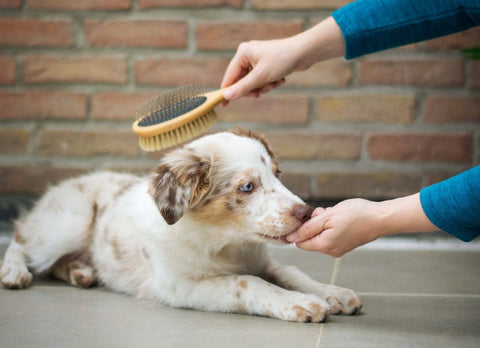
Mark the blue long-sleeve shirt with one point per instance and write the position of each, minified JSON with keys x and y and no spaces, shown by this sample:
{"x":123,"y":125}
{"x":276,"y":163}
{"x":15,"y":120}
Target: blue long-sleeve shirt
{"x":373,"y":25}
{"x":453,"y":205}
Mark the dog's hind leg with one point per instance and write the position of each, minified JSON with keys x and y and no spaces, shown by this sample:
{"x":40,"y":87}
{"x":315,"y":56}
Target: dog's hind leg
{"x":75,"y":269}
{"x":14,"y":273}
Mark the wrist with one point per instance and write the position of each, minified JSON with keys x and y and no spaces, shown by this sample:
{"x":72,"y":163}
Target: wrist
{"x":387,"y":216}
{"x":322,"y":42}
{"x":404,"y":215}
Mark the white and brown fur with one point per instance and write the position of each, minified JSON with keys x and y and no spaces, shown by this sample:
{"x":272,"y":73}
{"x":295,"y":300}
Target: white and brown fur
{"x":190,"y":235}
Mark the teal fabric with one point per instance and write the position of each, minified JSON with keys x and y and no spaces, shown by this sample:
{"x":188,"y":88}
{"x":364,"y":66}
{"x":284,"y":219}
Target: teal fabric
{"x":375,"y":25}
{"x":453,"y":205}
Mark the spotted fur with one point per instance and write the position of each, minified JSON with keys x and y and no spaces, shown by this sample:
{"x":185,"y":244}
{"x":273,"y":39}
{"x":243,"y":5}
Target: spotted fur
{"x":192,"y":234}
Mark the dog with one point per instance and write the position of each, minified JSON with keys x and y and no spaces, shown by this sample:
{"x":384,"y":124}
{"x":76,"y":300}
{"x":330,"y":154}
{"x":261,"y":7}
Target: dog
{"x":192,"y":234}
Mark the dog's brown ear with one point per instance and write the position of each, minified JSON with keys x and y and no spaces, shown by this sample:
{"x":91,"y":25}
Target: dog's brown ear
{"x":179,"y":182}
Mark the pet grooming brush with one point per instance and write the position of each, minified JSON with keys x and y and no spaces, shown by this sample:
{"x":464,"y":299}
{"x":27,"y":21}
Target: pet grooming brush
{"x":175,"y":116}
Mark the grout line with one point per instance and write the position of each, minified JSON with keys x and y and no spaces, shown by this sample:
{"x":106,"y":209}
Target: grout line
{"x":320,"y":335}
{"x":386,"y":294}
{"x":336,"y":267}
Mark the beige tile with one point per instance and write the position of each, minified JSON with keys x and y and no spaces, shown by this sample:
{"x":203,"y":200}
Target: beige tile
{"x":407,"y":321}
{"x":411,"y":271}
{"x":45,"y":316}
{"x":422,"y":299}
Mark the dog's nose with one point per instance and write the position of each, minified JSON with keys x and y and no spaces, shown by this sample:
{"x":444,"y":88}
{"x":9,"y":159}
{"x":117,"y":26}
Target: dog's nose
{"x":302,"y":212}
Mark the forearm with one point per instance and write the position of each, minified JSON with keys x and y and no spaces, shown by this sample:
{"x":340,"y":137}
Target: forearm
{"x":402,"y":215}
{"x":355,"y":222}
{"x":322,"y":42}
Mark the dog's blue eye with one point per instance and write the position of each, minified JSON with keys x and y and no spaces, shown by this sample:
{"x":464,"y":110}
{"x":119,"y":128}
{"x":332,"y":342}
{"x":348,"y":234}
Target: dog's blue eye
{"x":247,"y":187}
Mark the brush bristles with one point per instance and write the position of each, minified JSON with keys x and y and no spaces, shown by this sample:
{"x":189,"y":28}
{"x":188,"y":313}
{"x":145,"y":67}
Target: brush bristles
{"x":179,"y":135}
{"x":169,"y":105}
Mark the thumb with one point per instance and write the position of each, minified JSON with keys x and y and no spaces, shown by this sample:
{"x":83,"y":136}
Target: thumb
{"x":243,"y":87}
{"x":308,"y":230}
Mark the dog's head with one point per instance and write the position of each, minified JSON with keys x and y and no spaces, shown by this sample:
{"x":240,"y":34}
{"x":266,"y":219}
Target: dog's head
{"x":228,"y":179}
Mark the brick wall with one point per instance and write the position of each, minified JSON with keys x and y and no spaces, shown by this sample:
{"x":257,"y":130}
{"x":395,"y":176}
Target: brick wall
{"x":72,"y":73}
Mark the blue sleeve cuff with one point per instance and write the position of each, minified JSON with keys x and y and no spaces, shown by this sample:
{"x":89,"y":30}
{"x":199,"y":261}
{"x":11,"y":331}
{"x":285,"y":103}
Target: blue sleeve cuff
{"x":453,"y":205}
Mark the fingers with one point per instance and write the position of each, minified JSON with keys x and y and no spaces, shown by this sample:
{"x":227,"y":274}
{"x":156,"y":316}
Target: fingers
{"x":312,"y":244}
{"x":249,"y":73}
{"x":321,"y":244}
{"x":237,"y":68}
{"x":318,"y":211}
{"x":245,"y":85}
{"x":308,"y":230}
{"x":235,"y":92}
{"x":267,"y":88}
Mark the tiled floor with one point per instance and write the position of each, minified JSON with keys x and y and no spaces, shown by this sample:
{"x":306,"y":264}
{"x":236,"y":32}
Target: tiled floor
{"x":412,"y":298}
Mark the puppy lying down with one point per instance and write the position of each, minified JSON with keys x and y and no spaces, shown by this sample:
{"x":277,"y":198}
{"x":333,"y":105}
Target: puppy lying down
{"x":190,"y":235}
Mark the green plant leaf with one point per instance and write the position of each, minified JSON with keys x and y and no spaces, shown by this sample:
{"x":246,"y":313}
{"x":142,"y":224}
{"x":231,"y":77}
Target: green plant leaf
{"x":472,"y":53}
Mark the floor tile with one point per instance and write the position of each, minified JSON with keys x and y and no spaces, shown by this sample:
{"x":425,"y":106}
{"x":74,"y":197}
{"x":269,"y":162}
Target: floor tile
{"x":51,"y":313}
{"x":316,"y":265}
{"x":45,"y":316}
{"x":407,"y":271}
{"x":407,"y":321}
{"x":411,"y":298}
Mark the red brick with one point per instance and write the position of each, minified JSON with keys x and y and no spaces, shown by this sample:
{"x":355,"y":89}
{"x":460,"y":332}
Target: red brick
{"x":92,"y":69}
{"x":478,"y":150}
{"x":84,"y":143}
{"x":145,"y":4}
{"x":438,"y":176}
{"x":432,"y":72}
{"x":180,"y":71}
{"x":42,"y":105}
{"x":388,"y":108}
{"x":298,"y":4}
{"x":297,"y":145}
{"x":450,"y":109}
{"x":465,"y":39}
{"x":84,"y":5}
{"x":35,"y":32}
{"x":14,"y":141}
{"x":366,"y":185}
{"x":331,"y":73}
{"x":278,"y":109}
{"x":32,"y":180}
{"x":10,"y":4}
{"x":133,"y":168}
{"x":475,"y":75}
{"x":450,"y":148}
{"x":214,"y":36}
{"x":136,"y":33}
{"x":7,"y":70}
{"x":298,"y":183}
{"x":118,"y":105}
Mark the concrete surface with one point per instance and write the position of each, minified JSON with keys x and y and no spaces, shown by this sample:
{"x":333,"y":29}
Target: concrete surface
{"x":412,"y":298}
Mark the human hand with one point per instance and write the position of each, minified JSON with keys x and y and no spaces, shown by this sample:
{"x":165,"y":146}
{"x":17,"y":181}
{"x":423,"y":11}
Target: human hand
{"x":354,"y":222}
{"x":340,"y":229}
{"x":259,"y":66}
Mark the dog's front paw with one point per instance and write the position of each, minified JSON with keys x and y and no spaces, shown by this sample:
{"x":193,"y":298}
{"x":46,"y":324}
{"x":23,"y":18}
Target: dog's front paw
{"x":304,"y":308}
{"x":15,"y":277}
{"x":342,"y":300}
